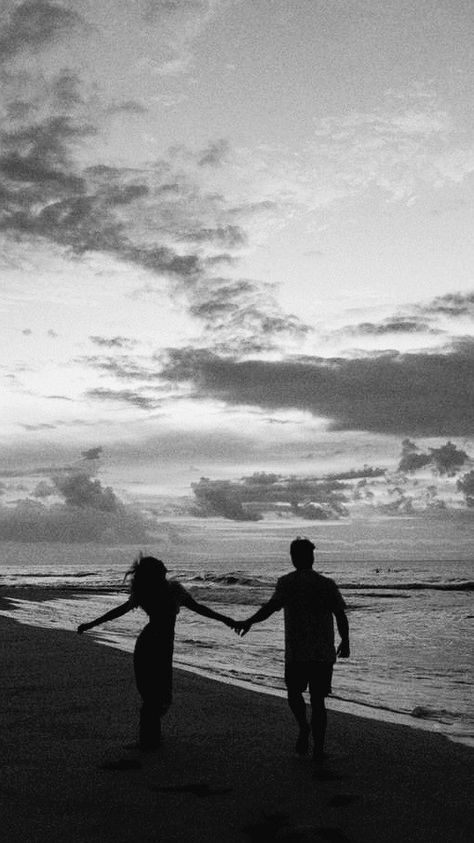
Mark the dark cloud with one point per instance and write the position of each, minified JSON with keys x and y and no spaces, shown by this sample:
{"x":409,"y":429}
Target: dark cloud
{"x":466,"y":485}
{"x":451,"y":304}
{"x":250,"y":497}
{"x":448,"y":458}
{"x":89,"y":512}
{"x":44,"y":490}
{"x":411,"y":458}
{"x":158,"y":219}
{"x":123,"y":367}
{"x":82,"y":491}
{"x":127,"y":107}
{"x":92,"y":453}
{"x":424,"y":394}
{"x":228,"y":236}
{"x":36,"y":24}
{"x":214,"y":154}
{"x":35,"y":427}
{"x":65,"y":88}
{"x":393,"y":325}
{"x":123,"y":396}
{"x":221,"y":498}
{"x":250,"y":320}
{"x":112,"y":342}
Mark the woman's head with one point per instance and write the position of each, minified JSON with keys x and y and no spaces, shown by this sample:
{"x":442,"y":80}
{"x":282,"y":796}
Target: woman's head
{"x":147,"y":577}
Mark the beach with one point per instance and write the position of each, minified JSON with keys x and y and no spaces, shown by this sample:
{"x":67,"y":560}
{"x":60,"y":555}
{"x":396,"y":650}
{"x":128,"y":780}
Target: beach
{"x":226,"y":772}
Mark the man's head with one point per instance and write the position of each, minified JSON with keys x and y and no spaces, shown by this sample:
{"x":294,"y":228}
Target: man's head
{"x":302,"y":553}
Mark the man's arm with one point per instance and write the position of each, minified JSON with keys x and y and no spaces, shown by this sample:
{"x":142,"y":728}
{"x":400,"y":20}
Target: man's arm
{"x":109,"y":616}
{"x":343,"y":651}
{"x":200,"y":609}
{"x":273,"y":605}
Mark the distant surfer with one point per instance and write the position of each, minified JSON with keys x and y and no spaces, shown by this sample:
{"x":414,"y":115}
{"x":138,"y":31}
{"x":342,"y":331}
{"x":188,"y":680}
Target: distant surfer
{"x":153,"y":655}
{"x":309,"y":601}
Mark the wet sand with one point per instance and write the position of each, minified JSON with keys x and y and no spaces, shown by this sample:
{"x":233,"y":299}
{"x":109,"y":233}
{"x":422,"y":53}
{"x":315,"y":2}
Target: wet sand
{"x":226,"y":771}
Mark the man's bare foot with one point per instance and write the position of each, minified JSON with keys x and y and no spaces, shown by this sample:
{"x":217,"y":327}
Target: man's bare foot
{"x":302,"y":743}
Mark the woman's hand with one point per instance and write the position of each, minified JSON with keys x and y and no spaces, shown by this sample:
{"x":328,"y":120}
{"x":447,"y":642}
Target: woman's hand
{"x":83,"y":627}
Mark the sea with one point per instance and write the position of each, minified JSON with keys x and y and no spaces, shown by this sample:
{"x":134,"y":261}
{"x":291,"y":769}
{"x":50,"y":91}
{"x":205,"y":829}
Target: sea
{"x":408,"y":584}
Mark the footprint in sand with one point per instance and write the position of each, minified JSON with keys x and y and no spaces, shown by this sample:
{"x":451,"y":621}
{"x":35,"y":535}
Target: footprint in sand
{"x":121,"y":764}
{"x":200,"y":789}
{"x":342,"y":799}
{"x":277,"y":829}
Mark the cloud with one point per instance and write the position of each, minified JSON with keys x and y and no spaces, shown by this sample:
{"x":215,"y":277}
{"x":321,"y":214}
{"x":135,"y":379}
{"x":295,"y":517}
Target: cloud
{"x":424,"y":393}
{"x":92,"y":453}
{"x":214,"y":154}
{"x":80,"y":490}
{"x":454,"y":305}
{"x":42,"y":426}
{"x":123,"y":396}
{"x":123,"y":367}
{"x":88,"y":512}
{"x":409,"y":142}
{"x":392,"y":325}
{"x":243,"y":316}
{"x":44,"y":490}
{"x":32,"y":521}
{"x":228,"y":236}
{"x":112,"y":342}
{"x":132,"y":107}
{"x":248,"y":498}
{"x":447,"y":459}
{"x":37,"y":24}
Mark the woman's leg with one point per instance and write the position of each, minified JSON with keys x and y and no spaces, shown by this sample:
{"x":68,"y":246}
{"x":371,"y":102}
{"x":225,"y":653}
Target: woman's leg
{"x":153,"y":675}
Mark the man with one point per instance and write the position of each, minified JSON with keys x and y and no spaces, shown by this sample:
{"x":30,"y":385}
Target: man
{"x":309,"y":601}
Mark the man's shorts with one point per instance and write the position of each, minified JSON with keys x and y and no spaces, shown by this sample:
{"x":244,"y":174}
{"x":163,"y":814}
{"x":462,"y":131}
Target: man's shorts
{"x":318,"y":675}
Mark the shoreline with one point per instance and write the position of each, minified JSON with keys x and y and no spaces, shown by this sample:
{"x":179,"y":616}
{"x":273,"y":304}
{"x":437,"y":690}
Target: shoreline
{"x":226,"y":770}
{"x":371,"y":711}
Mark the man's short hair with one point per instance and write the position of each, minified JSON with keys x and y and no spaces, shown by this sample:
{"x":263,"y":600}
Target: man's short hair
{"x":301,"y":552}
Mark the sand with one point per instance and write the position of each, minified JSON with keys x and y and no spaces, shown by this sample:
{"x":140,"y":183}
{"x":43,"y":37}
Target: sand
{"x":226,"y":772}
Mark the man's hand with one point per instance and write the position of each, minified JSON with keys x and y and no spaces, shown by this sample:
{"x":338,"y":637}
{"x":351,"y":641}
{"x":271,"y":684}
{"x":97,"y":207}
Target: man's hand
{"x":242,"y":627}
{"x":343,"y":651}
{"x":83,"y":627}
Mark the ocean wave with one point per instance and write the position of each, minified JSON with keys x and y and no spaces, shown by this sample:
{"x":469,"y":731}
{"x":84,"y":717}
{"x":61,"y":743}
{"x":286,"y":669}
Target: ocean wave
{"x":230,"y":580}
{"x":460,"y":585}
{"x":243,"y":580}
{"x":57,"y":576}
{"x":233,"y":579}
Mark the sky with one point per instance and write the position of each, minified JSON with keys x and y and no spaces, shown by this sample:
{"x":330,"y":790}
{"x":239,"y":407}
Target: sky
{"x":236,"y":235}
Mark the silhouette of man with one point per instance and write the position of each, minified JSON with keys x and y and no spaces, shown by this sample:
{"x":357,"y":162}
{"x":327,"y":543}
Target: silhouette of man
{"x":309,"y":601}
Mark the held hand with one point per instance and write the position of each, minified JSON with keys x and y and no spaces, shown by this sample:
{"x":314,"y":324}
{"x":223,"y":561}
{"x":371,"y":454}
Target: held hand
{"x":242,"y":627}
{"x":343,"y":651}
{"x":83,"y":627}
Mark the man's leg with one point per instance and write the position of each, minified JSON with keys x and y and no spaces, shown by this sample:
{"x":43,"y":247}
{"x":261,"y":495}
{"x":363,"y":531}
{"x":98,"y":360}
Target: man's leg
{"x":319,"y":687}
{"x":296,"y":682}
{"x":319,"y":721}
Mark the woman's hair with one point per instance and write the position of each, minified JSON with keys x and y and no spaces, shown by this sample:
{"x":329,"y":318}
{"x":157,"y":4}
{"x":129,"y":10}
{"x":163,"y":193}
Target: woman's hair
{"x":148,"y":584}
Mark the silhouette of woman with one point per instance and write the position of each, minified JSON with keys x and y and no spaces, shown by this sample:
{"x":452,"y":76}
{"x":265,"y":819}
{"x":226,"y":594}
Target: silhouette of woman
{"x":153,"y":655}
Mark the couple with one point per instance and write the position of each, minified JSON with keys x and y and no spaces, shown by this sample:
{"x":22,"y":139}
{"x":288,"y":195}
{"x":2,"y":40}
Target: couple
{"x":309,"y":601}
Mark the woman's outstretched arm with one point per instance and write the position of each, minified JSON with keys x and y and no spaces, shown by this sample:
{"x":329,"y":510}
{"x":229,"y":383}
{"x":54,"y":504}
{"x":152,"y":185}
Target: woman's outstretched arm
{"x":200,"y":609}
{"x":109,"y":616}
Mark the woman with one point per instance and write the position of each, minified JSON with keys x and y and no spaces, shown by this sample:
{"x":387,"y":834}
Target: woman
{"x":153,"y":655}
